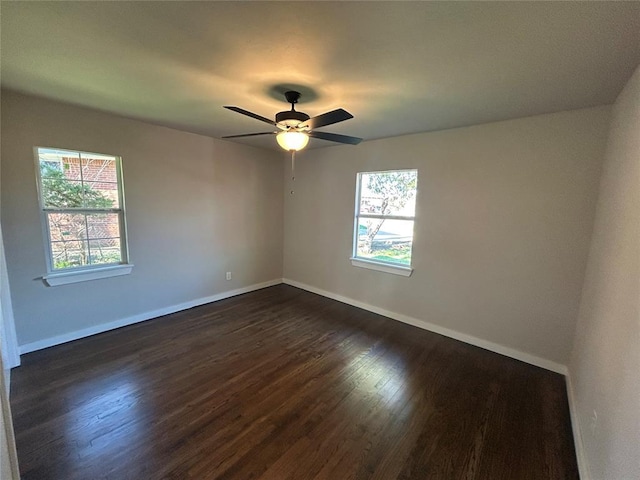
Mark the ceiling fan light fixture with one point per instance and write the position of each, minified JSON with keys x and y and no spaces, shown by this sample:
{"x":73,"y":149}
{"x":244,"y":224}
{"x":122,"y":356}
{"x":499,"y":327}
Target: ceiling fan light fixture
{"x":292,"y":140}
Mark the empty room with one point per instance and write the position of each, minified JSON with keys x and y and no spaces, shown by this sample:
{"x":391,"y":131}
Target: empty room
{"x":320,"y":240}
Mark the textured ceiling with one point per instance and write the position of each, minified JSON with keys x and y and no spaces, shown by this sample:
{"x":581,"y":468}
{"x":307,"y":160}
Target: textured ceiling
{"x":399,"y":67}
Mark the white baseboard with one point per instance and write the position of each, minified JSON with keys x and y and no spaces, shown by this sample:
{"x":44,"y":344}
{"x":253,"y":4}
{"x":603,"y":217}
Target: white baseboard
{"x":104,"y":327}
{"x":463,"y":337}
{"x":487,"y":345}
{"x":583,"y":467}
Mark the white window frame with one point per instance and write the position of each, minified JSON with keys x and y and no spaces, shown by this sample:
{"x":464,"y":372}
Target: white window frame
{"x":56,"y":277}
{"x":372,"y":264}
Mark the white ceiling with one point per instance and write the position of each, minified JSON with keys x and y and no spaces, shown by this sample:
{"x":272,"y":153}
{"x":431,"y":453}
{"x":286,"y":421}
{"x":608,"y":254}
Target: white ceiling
{"x":398,"y":67}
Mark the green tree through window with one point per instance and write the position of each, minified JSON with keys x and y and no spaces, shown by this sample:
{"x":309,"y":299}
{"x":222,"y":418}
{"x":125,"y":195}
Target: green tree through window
{"x":59,"y":192}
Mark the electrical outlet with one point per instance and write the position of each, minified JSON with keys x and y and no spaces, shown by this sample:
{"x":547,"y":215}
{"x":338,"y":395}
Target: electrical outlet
{"x":228,"y":275}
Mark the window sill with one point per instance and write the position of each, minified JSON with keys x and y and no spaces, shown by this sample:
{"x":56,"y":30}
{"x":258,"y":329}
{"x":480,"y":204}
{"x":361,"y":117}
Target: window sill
{"x":65,"y":278}
{"x":382,"y":267}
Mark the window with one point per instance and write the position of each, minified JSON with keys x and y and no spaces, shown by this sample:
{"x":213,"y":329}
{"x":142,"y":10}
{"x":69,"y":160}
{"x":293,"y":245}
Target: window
{"x":82,"y":203}
{"x":385,"y":213}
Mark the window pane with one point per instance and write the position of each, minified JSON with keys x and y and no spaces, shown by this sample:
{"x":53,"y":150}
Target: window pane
{"x":99,"y":173}
{"x":101,"y":195}
{"x":71,"y":167}
{"x":389,"y":193}
{"x":58,"y":192}
{"x":67,"y":227}
{"x":50,"y":168}
{"x":105,"y":251}
{"x":69,"y":254}
{"x":99,"y":168}
{"x":103,"y":225}
{"x":385,"y":240}
{"x":65,"y":186}
{"x":55,"y":163}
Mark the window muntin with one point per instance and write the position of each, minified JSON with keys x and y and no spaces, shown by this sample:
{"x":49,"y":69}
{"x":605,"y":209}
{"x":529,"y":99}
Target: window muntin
{"x":81,"y":199}
{"x":385,"y":215}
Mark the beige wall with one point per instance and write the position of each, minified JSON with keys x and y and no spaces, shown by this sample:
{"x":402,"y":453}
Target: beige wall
{"x":605,"y":364}
{"x":196,"y":208}
{"x":504,"y":219}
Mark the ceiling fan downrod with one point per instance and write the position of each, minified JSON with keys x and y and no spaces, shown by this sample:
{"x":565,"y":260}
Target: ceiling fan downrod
{"x":291,"y":118}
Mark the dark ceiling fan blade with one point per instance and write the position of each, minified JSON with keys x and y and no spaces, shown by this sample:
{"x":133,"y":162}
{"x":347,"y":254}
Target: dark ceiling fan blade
{"x":251,"y":114}
{"x":334,"y":137}
{"x":329,"y":118}
{"x":249,"y":134}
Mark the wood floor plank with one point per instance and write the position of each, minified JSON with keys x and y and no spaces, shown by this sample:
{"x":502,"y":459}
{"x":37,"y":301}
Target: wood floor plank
{"x":284,"y":384}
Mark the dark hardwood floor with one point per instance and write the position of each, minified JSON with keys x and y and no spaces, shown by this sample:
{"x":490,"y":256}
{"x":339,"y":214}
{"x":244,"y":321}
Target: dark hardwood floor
{"x":284,"y":384}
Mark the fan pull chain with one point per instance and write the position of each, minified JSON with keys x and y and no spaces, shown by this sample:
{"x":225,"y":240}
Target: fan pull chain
{"x":293,"y":169}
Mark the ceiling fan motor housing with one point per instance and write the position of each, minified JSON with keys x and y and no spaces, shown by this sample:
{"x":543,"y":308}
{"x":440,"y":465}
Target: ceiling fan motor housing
{"x":291,"y":118}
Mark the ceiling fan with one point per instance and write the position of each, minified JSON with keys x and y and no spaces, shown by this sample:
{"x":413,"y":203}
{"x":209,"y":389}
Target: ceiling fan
{"x":295,"y":128}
